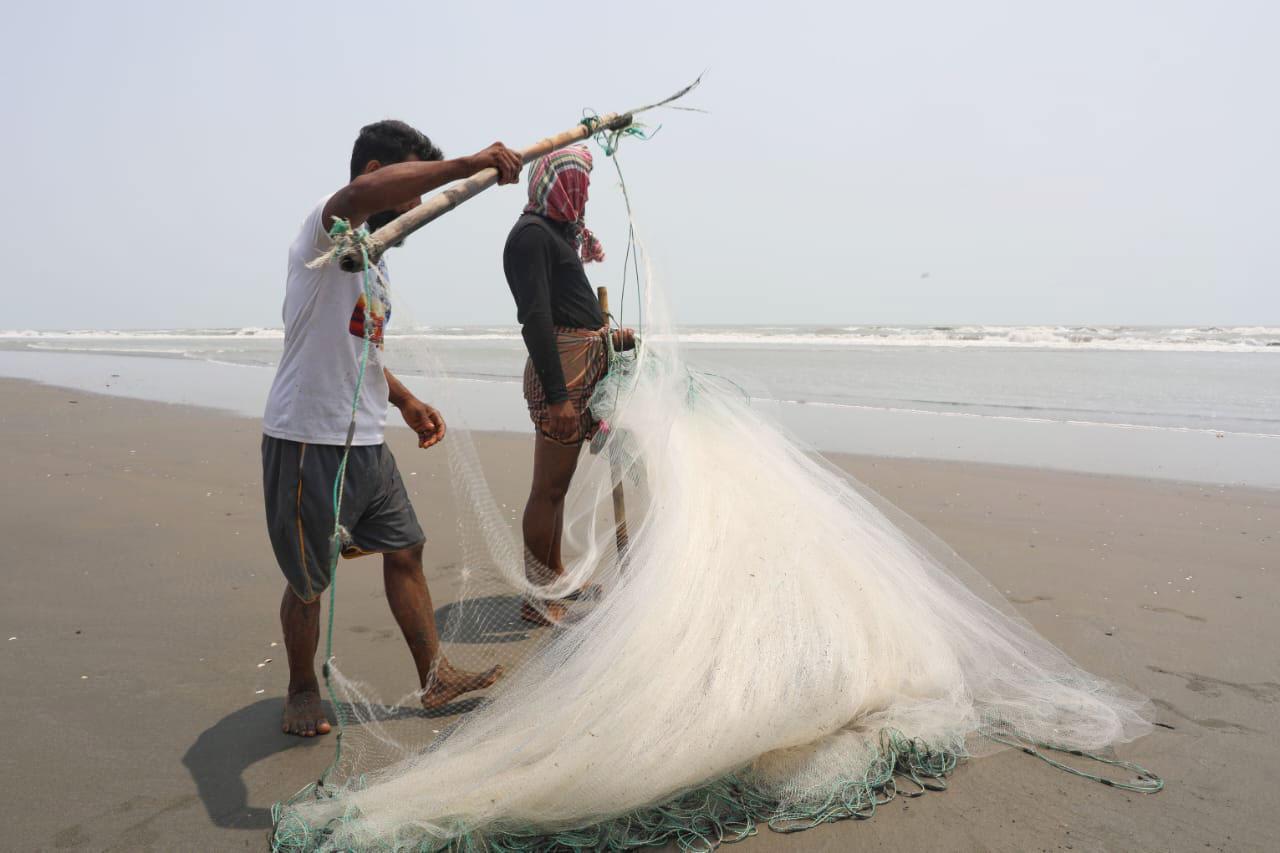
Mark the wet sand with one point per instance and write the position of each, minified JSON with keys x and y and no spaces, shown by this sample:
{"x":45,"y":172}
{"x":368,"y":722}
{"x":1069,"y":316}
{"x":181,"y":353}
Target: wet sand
{"x":140,"y":712}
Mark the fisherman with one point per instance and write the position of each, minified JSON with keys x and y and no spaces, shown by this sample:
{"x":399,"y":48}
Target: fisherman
{"x":326,"y":319}
{"x":564,"y":332}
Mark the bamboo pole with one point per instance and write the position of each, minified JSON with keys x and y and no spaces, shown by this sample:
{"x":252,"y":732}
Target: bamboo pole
{"x":443,"y":202}
{"x":615,"y":468}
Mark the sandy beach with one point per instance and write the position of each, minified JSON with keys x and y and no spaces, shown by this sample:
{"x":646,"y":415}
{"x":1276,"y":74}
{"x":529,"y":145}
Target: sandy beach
{"x":139,"y":604}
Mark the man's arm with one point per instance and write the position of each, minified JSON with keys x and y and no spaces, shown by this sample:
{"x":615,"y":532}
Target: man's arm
{"x":527,"y":264}
{"x":398,"y":184}
{"x":421,"y":418}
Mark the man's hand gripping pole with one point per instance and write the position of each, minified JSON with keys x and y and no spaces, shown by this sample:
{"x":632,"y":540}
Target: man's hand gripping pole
{"x":442,"y":202}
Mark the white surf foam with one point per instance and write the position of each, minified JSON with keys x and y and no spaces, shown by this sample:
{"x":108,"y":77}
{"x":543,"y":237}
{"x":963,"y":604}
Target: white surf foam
{"x":1112,"y":338}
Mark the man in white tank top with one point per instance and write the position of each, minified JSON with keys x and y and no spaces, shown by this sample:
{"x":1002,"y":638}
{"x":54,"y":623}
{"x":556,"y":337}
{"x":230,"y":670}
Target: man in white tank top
{"x":308,"y":414}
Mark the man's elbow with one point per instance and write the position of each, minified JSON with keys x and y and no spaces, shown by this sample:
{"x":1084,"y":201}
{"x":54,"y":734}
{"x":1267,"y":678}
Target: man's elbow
{"x":354,"y":201}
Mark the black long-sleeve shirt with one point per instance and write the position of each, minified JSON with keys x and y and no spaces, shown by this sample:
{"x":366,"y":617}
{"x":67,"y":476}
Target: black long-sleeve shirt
{"x":551,"y":289}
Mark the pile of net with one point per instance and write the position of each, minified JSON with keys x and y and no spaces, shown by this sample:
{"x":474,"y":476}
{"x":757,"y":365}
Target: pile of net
{"x":776,"y":645}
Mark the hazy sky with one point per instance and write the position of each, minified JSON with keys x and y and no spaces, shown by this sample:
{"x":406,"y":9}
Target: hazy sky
{"x":1091,"y":162}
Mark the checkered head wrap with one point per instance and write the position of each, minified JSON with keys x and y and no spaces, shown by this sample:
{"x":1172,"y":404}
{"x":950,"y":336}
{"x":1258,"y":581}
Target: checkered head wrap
{"x":558,"y":185}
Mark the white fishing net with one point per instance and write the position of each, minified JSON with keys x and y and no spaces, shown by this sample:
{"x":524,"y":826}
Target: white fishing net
{"x":775,"y":644}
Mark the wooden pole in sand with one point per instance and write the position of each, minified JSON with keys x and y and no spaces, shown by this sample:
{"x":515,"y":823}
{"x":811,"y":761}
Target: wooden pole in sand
{"x":443,"y":202}
{"x":615,"y":468}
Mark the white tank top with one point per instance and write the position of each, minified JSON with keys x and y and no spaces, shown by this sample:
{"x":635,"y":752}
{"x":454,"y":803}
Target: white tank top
{"x":324,"y":319}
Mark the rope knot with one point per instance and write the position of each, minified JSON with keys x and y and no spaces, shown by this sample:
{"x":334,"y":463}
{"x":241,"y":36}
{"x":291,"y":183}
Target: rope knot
{"x":345,"y":238}
{"x":609,"y":140}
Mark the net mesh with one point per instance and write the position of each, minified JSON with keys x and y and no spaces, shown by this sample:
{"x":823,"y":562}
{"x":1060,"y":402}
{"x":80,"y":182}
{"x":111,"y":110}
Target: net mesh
{"x":775,"y":645}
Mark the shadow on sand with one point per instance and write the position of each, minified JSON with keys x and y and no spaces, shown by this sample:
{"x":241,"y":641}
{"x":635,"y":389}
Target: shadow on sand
{"x":490,"y":620}
{"x":221,"y":754}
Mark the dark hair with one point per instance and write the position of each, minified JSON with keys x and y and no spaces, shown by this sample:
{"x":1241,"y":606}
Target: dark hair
{"x":390,"y":141}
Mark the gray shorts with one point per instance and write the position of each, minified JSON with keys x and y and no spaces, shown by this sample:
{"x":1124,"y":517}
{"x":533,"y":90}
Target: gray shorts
{"x":297,"y":484}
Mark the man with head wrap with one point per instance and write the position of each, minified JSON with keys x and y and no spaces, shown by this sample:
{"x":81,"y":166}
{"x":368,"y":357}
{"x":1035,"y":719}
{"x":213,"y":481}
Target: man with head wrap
{"x":563,"y":328}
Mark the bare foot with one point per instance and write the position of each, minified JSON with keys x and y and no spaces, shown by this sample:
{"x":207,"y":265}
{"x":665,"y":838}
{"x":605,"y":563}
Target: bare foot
{"x":551,"y":613}
{"x":304,"y":715}
{"x":450,"y":683}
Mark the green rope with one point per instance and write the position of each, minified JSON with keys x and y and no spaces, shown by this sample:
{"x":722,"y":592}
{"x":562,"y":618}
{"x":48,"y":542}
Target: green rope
{"x":609,"y":140}
{"x":341,"y":232}
{"x":617,"y":363}
{"x":630,"y":261}
{"x":1147,"y":782}
{"x":344,"y":238}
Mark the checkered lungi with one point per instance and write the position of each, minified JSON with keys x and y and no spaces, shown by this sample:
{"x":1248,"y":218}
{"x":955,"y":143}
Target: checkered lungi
{"x":585,"y":360}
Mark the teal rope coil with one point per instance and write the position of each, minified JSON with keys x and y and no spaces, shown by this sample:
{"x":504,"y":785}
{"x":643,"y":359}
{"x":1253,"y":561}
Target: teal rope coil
{"x":609,"y":140}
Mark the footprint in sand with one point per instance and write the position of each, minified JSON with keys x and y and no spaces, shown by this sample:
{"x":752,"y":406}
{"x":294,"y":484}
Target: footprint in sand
{"x":1261,"y":691}
{"x":1215,"y":723}
{"x":1175,"y":611}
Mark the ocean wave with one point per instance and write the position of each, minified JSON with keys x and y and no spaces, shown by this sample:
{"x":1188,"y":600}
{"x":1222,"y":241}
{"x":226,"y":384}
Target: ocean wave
{"x":1112,"y":338}
{"x":457,"y":334}
{"x":72,"y":346}
{"x":140,"y":334}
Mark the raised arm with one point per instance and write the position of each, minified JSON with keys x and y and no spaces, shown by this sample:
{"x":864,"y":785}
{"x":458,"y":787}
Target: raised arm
{"x":398,"y":185}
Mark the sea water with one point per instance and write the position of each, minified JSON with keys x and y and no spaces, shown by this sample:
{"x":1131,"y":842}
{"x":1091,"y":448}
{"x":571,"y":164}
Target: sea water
{"x":1199,"y":403}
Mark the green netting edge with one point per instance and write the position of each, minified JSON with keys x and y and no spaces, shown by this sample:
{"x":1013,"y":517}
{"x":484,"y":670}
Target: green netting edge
{"x":722,"y":812}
